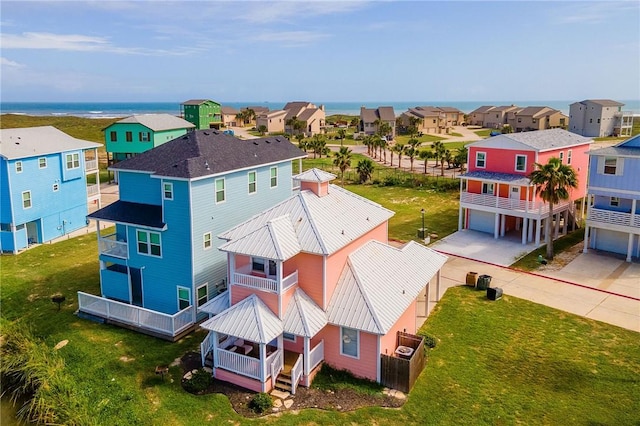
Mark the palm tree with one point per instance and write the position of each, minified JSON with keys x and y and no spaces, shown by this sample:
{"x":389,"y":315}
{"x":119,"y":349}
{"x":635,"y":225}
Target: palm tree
{"x":383,"y":144}
{"x":342,"y":159}
{"x":342,"y":133}
{"x":399,"y":148}
{"x":412,"y":150}
{"x":425,"y":154}
{"x":262,"y":129}
{"x":553,"y":181}
{"x":460,"y":158}
{"x":413,"y":126}
{"x":365,"y":169}
{"x":319,"y":145}
{"x":295,"y":124}
{"x":438,"y":149}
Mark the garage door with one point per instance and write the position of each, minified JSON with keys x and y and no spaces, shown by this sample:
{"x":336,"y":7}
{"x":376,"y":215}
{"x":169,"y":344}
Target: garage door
{"x":613,"y":241}
{"x":481,"y":221}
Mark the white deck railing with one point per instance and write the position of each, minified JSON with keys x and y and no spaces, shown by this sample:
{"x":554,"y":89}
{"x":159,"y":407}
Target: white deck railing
{"x":264,"y":284}
{"x":90,"y":165}
{"x":296,"y":374}
{"x":274,"y":365}
{"x":513,"y":204}
{"x":109,"y":245}
{"x":238,"y":363}
{"x":93,"y":190}
{"x":610,"y":217}
{"x":316,"y":355}
{"x":135,"y":315}
{"x":206,"y":346}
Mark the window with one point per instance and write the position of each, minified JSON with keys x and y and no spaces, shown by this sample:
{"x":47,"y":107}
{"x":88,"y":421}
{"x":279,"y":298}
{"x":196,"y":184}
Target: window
{"x":561,"y":156}
{"x":487,"y":188}
{"x":569,"y":157}
{"x":349,"y":344}
{"x":274,"y":177}
{"x":73,"y":160}
{"x":129,"y":137}
{"x":206,"y":240}
{"x":220,"y":190}
{"x":113,"y":136}
{"x":481,"y":158}
{"x":610,"y":164}
{"x":259,"y":265}
{"x":202,"y":294}
{"x":521,"y":163}
{"x":598,"y":121}
{"x":18,"y":166}
{"x":149,"y":243}
{"x":26,"y":200}
{"x":519,"y":120}
{"x":144,"y":136}
{"x":252,"y":182}
{"x":534,"y":120}
{"x":184,"y":298}
{"x":288,"y":336}
{"x":167,"y":191}
{"x":56,"y":187}
{"x":591,"y":120}
{"x":614,"y":201}
{"x":42,"y":163}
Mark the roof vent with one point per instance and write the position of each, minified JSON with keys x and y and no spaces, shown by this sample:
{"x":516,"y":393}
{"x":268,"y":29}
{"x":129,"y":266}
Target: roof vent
{"x":343,"y":232}
{"x":206,"y":165}
{"x":206,"y":133}
{"x":255,"y":143}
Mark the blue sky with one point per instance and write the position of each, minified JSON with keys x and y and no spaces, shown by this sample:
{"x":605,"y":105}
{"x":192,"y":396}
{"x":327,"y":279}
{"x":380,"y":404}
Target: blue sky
{"x":319,"y":51}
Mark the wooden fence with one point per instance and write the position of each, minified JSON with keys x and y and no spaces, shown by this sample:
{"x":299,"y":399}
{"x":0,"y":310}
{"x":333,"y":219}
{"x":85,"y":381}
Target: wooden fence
{"x":399,"y":372}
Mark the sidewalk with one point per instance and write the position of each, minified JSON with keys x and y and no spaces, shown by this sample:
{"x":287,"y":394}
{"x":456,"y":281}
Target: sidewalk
{"x":621,"y":310}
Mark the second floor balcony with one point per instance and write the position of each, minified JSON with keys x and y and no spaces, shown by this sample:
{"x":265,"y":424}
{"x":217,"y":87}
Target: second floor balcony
{"x":246,"y":277}
{"x":611,"y":217}
{"x":113,"y":245}
{"x":512,"y":204}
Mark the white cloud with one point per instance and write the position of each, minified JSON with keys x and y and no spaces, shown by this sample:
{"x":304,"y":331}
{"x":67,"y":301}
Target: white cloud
{"x":592,"y":13}
{"x":267,"y":12}
{"x":290,"y":38}
{"x":9,"y":63}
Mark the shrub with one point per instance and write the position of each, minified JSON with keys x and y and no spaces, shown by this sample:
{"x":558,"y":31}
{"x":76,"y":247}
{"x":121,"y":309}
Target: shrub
{"x":261,"y":402}
{"x":200,"y":381}
{"x":429,"y":340}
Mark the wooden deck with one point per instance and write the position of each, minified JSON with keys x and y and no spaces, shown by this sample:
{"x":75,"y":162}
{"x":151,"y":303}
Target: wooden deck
{"x":290,"y":358}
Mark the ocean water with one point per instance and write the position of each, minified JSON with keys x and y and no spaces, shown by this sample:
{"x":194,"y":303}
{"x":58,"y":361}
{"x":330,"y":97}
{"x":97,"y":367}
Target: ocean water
{"x":124,"y":109}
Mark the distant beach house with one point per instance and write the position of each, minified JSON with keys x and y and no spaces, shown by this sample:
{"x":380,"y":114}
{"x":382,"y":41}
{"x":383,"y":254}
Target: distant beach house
{"x":229,"y":116}
{"x":136,"y":134}
{"x":536,"y":118}
{"x":313,"y":117}
{"x":370,"y":120}
{"x":600,"y":118}
{"x":161,"y":261}
{"x":613,"y":217}
{"x":202,"y":113}
{"x":493,"y":117}
{"x":47,"y":179}
{"x":312,"y":279}
{"x":432,"y":119}
{"x":273,"y":121}
{"x":496,"y":195}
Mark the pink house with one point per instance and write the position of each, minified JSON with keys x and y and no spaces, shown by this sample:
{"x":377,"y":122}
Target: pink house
{"x":313,"y":280}
{"x":496,"y":195}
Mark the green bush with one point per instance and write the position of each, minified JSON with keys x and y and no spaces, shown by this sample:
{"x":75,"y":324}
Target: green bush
{"x":261,"y":402}
{"x":429,"y":340}
{"x":199,"y":381}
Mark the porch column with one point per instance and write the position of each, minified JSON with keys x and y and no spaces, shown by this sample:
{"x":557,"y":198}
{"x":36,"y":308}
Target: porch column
{"x":524,"y":230}
{"x":630,"y":247}
{"x":496,"y":226}
{"x":215,"y":350}
{"x":438,"y":286}
{"x":497,"y":194}
{"x":263,"y":361}
{"x":556,"y":228}
{"x":582,"y":206}
{"x":232,"y":270}
{"x":530,"y":223}
{"x":594,"y":237}
{"x":460,"y":212}
{"x":565,"y":224}
{"x":538,"y":223}
{"x":585,"y":248}
{"x":502,"y":224}
{"x":428,"y":297}
{"x":306,"y":348}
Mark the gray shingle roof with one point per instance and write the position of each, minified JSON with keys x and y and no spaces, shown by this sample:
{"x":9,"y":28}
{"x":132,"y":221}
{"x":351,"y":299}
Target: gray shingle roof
{"x":543,"y":139}
{"x":603,"y":102}
{"x":227,"y":110}
{"x":197,"y":101}
{"x":210,"y":152}
{"x":157,"y":122}
{"x":34,"y":141}
{"x":482,"y":109}
{"x":370,"y":115}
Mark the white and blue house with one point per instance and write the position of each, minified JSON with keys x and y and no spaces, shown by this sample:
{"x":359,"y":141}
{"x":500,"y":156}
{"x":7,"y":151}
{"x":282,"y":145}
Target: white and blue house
{"x":613,"y":216}
{"x":47,"y":179}
{"x":162,"y":262}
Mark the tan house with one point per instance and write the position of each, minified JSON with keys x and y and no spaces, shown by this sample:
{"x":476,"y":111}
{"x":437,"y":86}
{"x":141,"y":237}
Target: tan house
{"x":369,"y":119}
{"x":229,"y":116}
{"x":599,"y":118}
{"x":433,"y":119}
{"x":274,"y":121}
{"x":314,"y":117}
{"x":496,"y":118}
{"x":536,"y":118}
{"x":452,"y":116}
{"x":478,"y":115}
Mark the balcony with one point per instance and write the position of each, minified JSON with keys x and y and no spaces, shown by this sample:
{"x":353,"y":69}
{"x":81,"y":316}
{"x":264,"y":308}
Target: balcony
{"x":597,"y":217}
{"x":91,"y":165}
{"x":113,"y":245}
{"x":93,"y":191}
{"x":244,"y":278}
{"x":494,"y":203}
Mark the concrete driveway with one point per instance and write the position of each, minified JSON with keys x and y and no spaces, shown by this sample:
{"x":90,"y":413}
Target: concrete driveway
{"x":482,"y":246}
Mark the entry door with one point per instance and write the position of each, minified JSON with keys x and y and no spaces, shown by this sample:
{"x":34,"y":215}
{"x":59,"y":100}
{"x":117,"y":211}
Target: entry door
{"x":136,"y":286}
{"x":514,"y":192}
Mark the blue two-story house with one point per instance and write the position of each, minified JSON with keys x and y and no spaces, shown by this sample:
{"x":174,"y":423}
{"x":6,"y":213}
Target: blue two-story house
{"x":47,"y":179}
{"x":613,"y":217}
{"x":161,"y":262}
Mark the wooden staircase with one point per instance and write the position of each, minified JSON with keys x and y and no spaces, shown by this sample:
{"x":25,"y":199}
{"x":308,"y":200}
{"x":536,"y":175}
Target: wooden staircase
{"x":283,"y":381}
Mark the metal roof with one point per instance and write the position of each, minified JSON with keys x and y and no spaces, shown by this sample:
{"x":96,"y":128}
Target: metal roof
{"x":249,"y":319}
{"x":323,"y":224}
{"x":209,"y":152}
{"x":538,"y":140}
{"x":156,"y":122}
{"x":314,"y":175}
{"x":275,"y":240}
{"x":378,"y":284}
{"x":216,"y":305}
{"x":303,"y":316}
{"x":35,"y":141}
{"x":512,"y":179}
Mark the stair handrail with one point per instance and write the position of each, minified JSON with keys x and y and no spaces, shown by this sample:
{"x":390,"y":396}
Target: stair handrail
{"x":296,"y":374}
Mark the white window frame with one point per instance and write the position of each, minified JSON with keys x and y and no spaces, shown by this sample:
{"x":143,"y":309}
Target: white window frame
{"x":144,"y":136}
{"x":273,"y":176}
{"x":206,"y":294}
{"x":254,"y":182}
{"x":55,"y":187}
{"x":524,"y":168}
{"x":614,"y":201}
{"x":561,"y":156}
{"x":569,"y":157}
{"x":19,"y":167}
{"x":42,"y":162}
{"x":72,"y":159}
{"x":289,"y":337}
{"x":489,"y":185}
{"x":484,"y":159}
{"x":207,"y":241}
{"x":343,"y":341}
{"x":25,"y":200}
{"x":178,"y":288}
{"x":223,"y":191}
{"x":615,"y":166}
{"x":167,"y":187}
{"x":148,"y":243}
